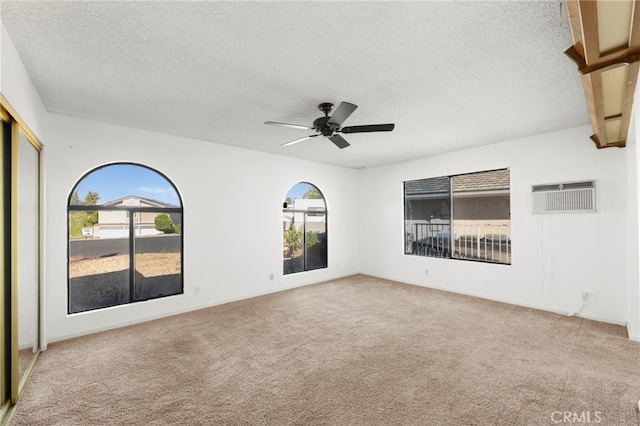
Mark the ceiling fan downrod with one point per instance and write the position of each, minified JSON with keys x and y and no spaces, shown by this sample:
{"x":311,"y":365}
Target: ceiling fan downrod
{"x":326,"y":107}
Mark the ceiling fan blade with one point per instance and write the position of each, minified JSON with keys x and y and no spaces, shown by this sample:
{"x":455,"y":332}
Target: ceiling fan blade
{"x":344,"y":110}
{"x":295,"y":126}
{"x":339,"y":141}
{"x":368,"y":128}
{"x":298,"y":140}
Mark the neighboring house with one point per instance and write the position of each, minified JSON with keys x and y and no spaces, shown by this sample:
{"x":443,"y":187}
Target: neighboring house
{"x":477,"y":205}
{"x":315,"y":214}
{"x":428,"y":200}
{"x":115,"y":223}
{"x":482,"y":199}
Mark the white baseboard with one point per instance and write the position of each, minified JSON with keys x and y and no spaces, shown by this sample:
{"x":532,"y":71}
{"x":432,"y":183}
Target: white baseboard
{"x":634,"y":337}
{"x":510,"y":302}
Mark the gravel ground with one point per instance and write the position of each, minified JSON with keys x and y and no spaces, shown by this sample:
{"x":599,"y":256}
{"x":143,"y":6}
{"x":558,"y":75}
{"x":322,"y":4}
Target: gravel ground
{"x":147,"y":264}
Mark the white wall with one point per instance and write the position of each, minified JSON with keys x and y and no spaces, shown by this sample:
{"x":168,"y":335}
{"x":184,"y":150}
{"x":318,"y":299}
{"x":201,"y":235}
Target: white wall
{"x":229,"y":252}
{"x":633,"y":230}
{"x":555,"y":257}
{"x":17,"y":88}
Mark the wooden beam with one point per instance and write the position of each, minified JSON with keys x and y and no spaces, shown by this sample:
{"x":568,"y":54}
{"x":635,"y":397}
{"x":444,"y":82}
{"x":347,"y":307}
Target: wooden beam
{"x":590,"y":37}
{"x":576,"y":57}
{"x":634,"y":34}
{"x":596,"y":141}
{"x":625,"y":56}
{"x":592,"y":85}
{"x":583,"y":19}
{"x":573,"y":14}
{"x":632,"y":79}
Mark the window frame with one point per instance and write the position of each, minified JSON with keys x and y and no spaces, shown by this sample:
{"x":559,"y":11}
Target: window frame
{"x":311,"y":211}
{"x":131,"y":214}
{"x":449,"y":252}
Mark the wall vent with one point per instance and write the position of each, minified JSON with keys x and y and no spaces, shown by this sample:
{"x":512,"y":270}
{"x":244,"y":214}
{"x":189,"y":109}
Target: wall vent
{"x":564,"y":197}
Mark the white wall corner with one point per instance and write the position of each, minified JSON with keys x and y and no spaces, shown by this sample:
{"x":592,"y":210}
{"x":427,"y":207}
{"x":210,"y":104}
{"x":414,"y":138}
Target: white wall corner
{"x":18,"y":88}
{"x":633,"y":244}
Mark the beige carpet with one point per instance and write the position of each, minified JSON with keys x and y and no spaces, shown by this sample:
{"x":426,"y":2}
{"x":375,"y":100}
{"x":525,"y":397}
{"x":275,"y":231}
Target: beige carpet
{"x":354,"y":351}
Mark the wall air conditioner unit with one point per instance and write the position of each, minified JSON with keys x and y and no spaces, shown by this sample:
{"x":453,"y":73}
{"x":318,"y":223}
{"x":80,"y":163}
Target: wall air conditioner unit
{"x":570,"y":197}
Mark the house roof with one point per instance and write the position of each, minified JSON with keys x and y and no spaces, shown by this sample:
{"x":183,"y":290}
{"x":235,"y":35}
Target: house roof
{"x":149,"y":201}
{"x":496,"y":180}
{"x":490,"y":181}
{"x":438,"y":185}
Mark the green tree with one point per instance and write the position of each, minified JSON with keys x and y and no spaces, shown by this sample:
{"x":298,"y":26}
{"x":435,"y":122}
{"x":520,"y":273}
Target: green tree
{"x":92,"y":219}
{"x":293,"y":239}
{"x":313,"y":193}
{"x":312,"y":238}
{"x":82,"y":219}
{"x":164,"y":223}
{"x":91,"y":199}
{"x":77,"y":221}
{"x":75,"y":199}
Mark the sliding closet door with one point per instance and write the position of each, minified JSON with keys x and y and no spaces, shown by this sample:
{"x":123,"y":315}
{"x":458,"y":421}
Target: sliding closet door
{"x":5,"y":276}
{"x":25,"y":226}
{"x":19,"y":257}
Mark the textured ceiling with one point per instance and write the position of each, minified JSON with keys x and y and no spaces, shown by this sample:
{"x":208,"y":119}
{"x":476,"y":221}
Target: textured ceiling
{"x":449,"y":74}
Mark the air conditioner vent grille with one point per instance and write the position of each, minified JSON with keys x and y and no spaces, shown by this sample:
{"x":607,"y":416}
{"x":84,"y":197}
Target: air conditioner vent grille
{"x":563,"y":197}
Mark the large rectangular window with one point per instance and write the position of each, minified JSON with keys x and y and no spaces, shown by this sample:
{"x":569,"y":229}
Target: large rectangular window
{"x":463,"y":216}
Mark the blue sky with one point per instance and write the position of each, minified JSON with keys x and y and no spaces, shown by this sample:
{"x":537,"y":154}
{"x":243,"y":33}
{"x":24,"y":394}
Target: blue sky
{"x":119,"y":180}
{"x":298,"y":190}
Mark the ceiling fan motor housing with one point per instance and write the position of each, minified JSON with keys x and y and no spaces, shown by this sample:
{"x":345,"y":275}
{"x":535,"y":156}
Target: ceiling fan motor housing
{"x":323,"y":126}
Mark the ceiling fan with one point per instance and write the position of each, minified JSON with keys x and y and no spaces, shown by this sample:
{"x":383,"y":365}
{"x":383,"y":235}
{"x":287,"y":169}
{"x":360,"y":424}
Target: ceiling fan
{"x":330,"y":126}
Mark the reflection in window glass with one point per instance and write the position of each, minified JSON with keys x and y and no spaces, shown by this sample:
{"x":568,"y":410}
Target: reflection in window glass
{"x":464,"y":217}
{"x":481,"y":216}
{"x":28,"y":248}
{"x":141,"y":214}
{"x":427,"y":217}
{"x":98,"y":270}
{"x":158,"y":261}
{"x":304,"y":221}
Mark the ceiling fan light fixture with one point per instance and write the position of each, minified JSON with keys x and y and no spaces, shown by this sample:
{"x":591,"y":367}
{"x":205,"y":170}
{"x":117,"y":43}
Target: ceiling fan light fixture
{"x":329,"y":126}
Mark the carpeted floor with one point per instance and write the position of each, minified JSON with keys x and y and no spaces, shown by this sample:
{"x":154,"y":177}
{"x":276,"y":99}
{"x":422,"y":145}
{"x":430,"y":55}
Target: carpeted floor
{"x":353,"y":351}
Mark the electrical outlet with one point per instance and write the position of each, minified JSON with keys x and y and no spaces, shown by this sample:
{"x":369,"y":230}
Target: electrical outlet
{"x":196,"y":290}
{"x":426,"y":271}
{"x":271,"y":277}
{"x":586,"y":296}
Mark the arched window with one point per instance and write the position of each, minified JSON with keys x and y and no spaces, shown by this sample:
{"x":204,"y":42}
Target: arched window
{"x":125,"y":237}
{"x":304,"y":221}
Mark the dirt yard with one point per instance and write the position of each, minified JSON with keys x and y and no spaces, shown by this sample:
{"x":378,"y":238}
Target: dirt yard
{"x":147,"y":264}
